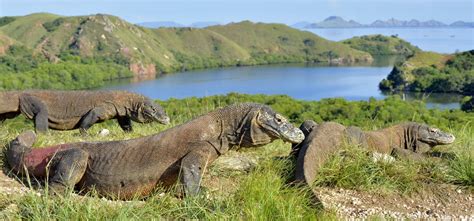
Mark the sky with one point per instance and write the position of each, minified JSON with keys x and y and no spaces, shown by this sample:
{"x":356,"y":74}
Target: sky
{"x":224,"y":11}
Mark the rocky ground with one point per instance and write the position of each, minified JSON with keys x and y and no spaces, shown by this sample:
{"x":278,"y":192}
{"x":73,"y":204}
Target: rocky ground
{"x":444,"y":202}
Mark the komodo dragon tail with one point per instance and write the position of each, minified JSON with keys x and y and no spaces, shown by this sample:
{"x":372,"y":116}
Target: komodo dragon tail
{"x":18,"y":148}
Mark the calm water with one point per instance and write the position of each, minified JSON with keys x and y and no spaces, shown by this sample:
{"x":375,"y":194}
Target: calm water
{"x":443,"y":40}
{"x":310,"y":82}
{"x":299,"y":81}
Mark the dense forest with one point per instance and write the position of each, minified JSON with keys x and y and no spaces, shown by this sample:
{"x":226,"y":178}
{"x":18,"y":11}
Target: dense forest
{"x":21,"y":70}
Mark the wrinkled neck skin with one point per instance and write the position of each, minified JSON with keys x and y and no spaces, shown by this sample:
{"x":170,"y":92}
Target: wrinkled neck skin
{"x":405,"y":136}
{"x":133,"y":109}
{"x":239,"y":128}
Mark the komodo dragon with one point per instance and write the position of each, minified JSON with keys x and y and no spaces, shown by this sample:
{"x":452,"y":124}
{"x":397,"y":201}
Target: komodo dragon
{"x":66,"y":110}
{"x":409,"y":139}
{"x":124,"y":169}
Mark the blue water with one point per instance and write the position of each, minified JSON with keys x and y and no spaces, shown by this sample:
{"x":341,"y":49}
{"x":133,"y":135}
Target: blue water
{"x":306,"y":82}
{"x":442,"y":40}
{"x":298,"y":81}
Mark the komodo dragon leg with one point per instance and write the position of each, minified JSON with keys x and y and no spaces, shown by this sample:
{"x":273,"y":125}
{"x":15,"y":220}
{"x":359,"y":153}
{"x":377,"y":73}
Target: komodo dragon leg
{"x":35,"y":108}
{"x":125,"y":123}
{"x":408,"y":154}
{"x":193,"y":166}
{"x":68,"y":168}
{"x":91,"y":118}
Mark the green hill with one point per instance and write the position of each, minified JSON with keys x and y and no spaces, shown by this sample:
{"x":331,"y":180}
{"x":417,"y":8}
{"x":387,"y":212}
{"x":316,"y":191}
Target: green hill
{"x":282,"y":43}
{"x":382,"y":45}
{"x":103,"y":39}
{"x":433,"y":72}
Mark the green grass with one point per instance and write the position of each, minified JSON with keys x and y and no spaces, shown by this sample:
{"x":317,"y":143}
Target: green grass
{"x":262,"y":193}
{"x":355,"y":169}
{"x":426,"y":59}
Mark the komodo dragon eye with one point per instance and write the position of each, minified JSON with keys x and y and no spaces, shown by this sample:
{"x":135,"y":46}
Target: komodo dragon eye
{"x":279,"y":118}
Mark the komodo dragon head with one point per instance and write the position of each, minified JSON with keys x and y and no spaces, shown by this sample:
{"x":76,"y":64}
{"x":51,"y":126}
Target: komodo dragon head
{"x":423,"y":137}
{"x":149,"y":111}
{"x":262,"y":125}
{"x":307,"y":126}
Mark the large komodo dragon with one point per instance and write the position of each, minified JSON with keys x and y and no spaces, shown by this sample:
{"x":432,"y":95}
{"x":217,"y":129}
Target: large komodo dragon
{"x":124,"y":169}
{"x":411,"y":140}
{"x":66,"y":110}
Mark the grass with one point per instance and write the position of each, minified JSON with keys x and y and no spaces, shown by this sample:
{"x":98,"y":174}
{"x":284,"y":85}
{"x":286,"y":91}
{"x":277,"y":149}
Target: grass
{"x":355,"y":169}
{"x":426,"y":59}
{"x":260,"y":194}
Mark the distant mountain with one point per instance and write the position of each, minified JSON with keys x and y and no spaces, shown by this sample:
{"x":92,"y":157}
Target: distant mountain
{"x":335,"y":22}
{"x":161,"y":24}
{"x":462,"y":24}
{"x":394,"y":23}
{"x":204,"y":24}
{"x":338,"y":22}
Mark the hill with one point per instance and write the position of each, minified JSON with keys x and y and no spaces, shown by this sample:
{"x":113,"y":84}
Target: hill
{"x":94,"y":39}
{"x":382,"y":45}
{"x":433,"y":72}
{"x":276,"y":43}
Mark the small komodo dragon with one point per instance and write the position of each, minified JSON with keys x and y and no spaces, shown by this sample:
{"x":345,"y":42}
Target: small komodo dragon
{"x":67,"y":110}
{"x":132,"y":168}
{"x":410,"y":139}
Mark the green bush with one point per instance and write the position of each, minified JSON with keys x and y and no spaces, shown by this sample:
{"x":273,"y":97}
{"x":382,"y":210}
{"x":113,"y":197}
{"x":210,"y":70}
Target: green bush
{"x":467,"y":104}
{"x":6,"y":20}
{"x":53,"y":25}
{"x":367,"y":114}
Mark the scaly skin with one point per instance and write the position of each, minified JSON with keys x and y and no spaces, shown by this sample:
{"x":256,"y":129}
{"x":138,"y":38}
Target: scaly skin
{"x":66,"y":110}
{"x":411,"y":140}
{"x":129,"y":168}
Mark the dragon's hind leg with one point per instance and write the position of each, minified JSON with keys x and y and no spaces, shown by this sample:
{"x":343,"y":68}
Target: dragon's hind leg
{"x":68,"y":168}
